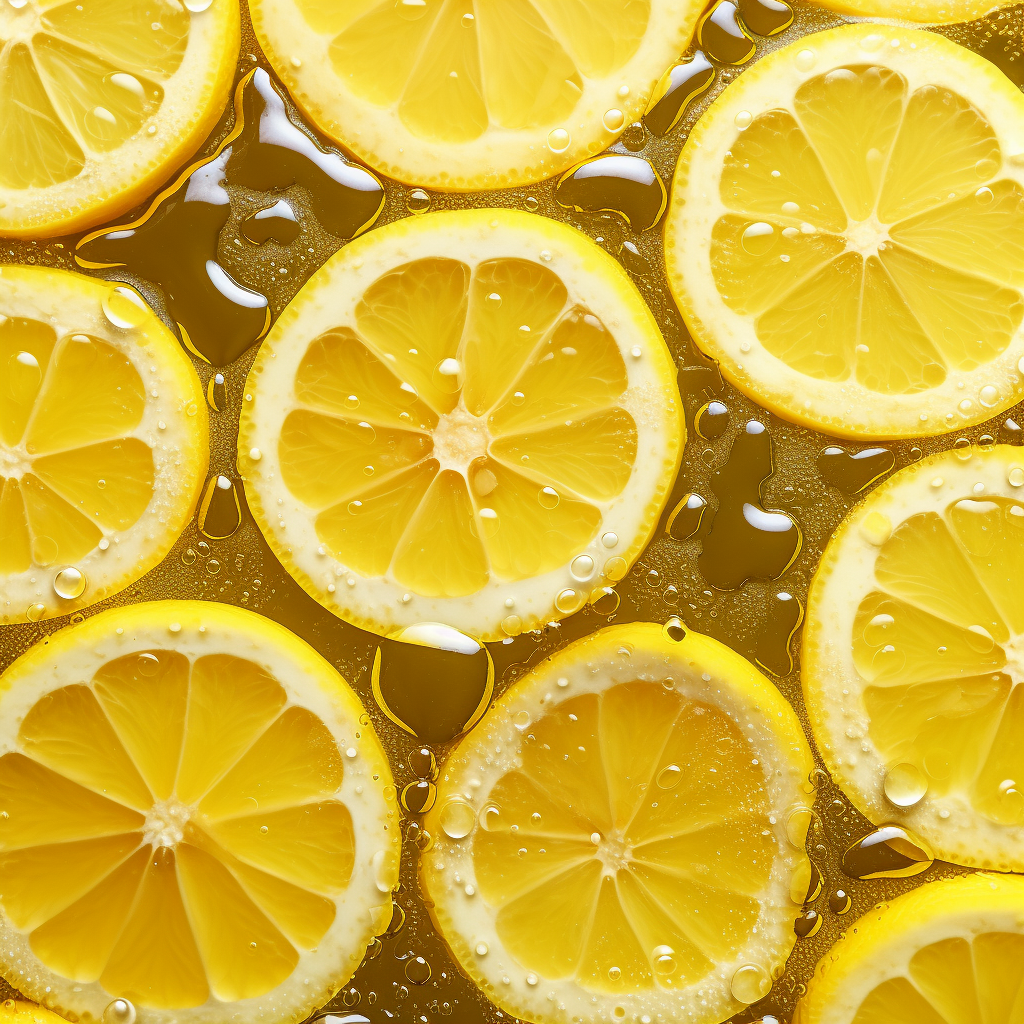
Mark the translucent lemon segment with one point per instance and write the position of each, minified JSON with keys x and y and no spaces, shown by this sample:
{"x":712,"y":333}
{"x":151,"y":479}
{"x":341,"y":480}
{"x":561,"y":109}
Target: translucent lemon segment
{"x":666,"y":801}
{"x":179,"y":792}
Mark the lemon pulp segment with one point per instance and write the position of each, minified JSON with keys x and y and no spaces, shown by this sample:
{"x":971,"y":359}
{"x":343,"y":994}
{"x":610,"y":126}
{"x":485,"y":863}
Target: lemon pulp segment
{"x":948,"y":951}
{"x":473,"y":95}
{"x":915,"y":615}
{"x":103,"y":440}
{"x":179,"y":827}
{"x":461,"y":425}
{"x":845,"y":233}
{"x":99,"y":100}
{"x":650,"y":796}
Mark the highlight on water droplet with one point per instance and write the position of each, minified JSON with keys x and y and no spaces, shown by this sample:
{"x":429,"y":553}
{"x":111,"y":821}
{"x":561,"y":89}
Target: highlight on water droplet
{"x":124,"y":307}
{"x":558,"y":140}
{"x":751,"y":983}
{"x":69,"y":583}
{"x":905,"y":784}
{"x":457,"y":819}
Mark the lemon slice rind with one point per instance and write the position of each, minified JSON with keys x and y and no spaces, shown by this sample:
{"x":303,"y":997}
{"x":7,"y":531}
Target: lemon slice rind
{"x":195,"y":629}
{"x":700,"y":669}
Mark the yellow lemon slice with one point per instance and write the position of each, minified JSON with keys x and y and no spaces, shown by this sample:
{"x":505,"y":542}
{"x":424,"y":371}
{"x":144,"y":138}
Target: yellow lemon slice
{"x":100,"y":100}
{"x":948,"y":951}
{"x":845,"y":233}
{"x":193,"y":818}
{"x":913,"y":655}
{"x":103,"y":440}
{"x":453,"y":94}
{"x":622,"y":835}
{"x":926,"y":12}
{"x":465,"y":417}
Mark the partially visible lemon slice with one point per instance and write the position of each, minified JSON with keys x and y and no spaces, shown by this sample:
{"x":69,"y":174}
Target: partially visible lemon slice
{"x":924,"y":12}
{"x":101,"y":100}
{"x":913,"y":655}
{"x":16,"y":1011}
{"x":949,"y":951}
{"x":454,"y":94}
{"x":464,"y":417}
{"x":103,"y":440}
{"x":622,"y":835}
{"x":845,"y":233}
{"x":193,"y":818}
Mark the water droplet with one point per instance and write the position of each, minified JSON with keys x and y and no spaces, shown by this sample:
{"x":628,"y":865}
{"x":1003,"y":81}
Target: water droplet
{"x":397,"y":922}
{"x":988,"y":396}
{"x":686,"y":517}
{"x":613,"y":119}
{"x":616,"y":183}
{"x":797,"y":824}
{"x":679,"y":86}
{"x":905,"y":785}
{"x":675,"y":629}
{"x":751,"y":983}
{"x":569,"y":601}
{"x":1015,"y":476}
{"x":457,"y":819}
{"x":447,"y":375}
{"x":411,"y":10}
{"x":758,"y":238}
{"x":512,"y":625}
{"x":216,"y":393}
{"x":581,"y":568}
{"x":876,"y":528}
{"x":468,"y":20}
{"x":614,"y":973}
{"x":124,"y":307}
{"x":35,"y":612}
{"x":839,"y":902}
{"x":417,"y":201}
{"x":615,"y":568}
{"x":669,"y":776}
{"x":712,"y":418}
{"x":888,"y":852}
{"x":558,"y":140}
{"x":766,"y":17}
{"x":220,"y":511}
{"x":548,"y":497}
{"x":805,"y":60}
{"x":609,"y":540}
{"x":481,"y":949}
{"x":24,"y":376}
{"x":69,"y":583}
{"x":120,"y":1011}
{"x":604,"y":600}
{"x":418,"y":797}
{"x":807,"y":924}
{"x":720,"y":33}
{"x":385,"y":869}
{"x":743,"y":120}
{"x":531,"y":203}
{"x":198,"y":6}
{"x":984,"y":195}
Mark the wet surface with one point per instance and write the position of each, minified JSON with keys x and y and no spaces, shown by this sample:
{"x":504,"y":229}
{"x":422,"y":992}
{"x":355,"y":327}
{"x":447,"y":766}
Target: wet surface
{"x":667,"y":580}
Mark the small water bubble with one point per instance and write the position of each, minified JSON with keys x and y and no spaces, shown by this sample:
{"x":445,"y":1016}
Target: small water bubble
{"x":521,"y":720}
{"x":805,"y":60}
{"x":197,"y":6}
{"x":69,"y":583}
{"x":411,"y":10}
{"x":581,"y":568}
{"x":188,"y":556}
{"x":613,"y":119}
{"x":743,"y":120}
{"x":24,"y":377}
{"x":797,"y":825}
{"x":614,"y":973}
{"x":397,"y":922}
{"x":758,"y":238}
{"x":675,"y":629}
{"x":512,"y":625}
{"x":669,"y":776}
{"x":120,"y":1011}
{"x":481,"y":949}
{"x":988,"y":396}
{"x":213,"y":566}
{"x":35,"y":612}
{"x":124,"y":307}
{"x":1015,"y":476}
{"x":609,"y":540}
{"x":531,"y":203}
{"x":664,"y":957}
{"x":839,"y":902}
{"x":418,"y":797}
{"x":447,"y":375}
{"x":604,"y":600}
{"x":457,"y":819}
{"x":905,"y":785}
{"x":569,"y":601}
{"x":807,"y":924}
{"x":548,"y":497}
{"x":751,"y":983}
{"x":417,"y":970}
{"x":984,"y":195}
{"x":615,"y":568}
{"x":417,"y":201}
{"x":423,"y":763}
{"x":558,"y":140}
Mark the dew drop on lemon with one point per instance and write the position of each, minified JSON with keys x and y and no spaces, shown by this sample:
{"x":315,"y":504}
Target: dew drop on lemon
{"x":904,"y":785}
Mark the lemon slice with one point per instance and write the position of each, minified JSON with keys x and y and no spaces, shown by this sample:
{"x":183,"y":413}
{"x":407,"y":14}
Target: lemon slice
{"x":454,"y":94}
{"x":948,"y":951}
{"x":103,"y":441}
{"x":465,"y":417}
{"x":845,"y":233}
{"x":622,"y":835}
{"x":100,"y":100}
{"x":925,"y":12}
{"x":193,"y":818}
{"x":914,"y":652}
